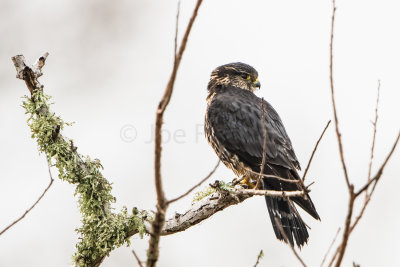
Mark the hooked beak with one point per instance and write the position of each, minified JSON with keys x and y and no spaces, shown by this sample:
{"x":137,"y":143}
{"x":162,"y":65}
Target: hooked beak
{"x":257,"y":83}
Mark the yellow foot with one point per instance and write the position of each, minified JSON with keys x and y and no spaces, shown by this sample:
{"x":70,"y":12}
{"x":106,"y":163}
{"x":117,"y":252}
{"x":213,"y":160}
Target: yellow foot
{"x":247,"y":182}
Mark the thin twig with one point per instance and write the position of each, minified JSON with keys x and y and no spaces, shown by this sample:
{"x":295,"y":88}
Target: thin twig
{"x":338,"y":135}
{"x":34,"y":204}
{"x":195,"y":186}
{"x":334,"y":256}
{"x":374,"y":134}
{"x":264,"y":126}
{"x":330,"y":247}
{"x":176,"y":30}
{"x":287,"y":241}
{"x":162,"y":204}
{"x":315,"y":149}
{"x":259,"y":257}
{"x":374,"y":180}
{"x":137,"y":258}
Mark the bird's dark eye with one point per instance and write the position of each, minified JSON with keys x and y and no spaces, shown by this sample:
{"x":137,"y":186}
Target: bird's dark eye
{"x":245,"y":76}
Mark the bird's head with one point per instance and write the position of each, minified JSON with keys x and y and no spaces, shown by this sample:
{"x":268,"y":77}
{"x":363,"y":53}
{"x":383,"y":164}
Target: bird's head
{"x":235,"y":74}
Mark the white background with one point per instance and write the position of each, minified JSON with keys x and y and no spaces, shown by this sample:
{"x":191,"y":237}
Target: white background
{"x":108,"y":66}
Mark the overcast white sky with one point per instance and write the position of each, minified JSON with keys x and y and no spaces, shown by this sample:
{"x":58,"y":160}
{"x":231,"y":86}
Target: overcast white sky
{"x":108,"y":65}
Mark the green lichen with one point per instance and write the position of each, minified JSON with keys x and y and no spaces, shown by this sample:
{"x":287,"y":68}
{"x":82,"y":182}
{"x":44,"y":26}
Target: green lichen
{"x":101,"y":230}
{"x":218,"y":185}
{"x":226,"y":186}
{"x":204,"y":193}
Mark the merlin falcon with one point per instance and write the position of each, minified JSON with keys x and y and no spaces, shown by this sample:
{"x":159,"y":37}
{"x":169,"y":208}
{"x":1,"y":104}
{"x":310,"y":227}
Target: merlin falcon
{"x":234,"y":127}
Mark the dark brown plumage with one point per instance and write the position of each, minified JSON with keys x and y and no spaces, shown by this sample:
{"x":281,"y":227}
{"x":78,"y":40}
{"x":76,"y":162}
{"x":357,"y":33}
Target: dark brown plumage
{"x":234,"y":129}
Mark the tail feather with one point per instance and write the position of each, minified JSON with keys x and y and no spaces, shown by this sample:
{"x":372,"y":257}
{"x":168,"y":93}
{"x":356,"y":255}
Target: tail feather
{"x":290,"y":221}
{"x":286,"y":213}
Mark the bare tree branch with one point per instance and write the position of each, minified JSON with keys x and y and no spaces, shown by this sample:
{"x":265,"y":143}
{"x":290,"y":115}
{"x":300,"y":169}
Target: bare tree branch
{"x":339,"y":136}
{"x":30,"y":75}
{"x":287,"y":241}
{"x":162,"y":203}
{"x":195,"y":186}
{"x":34,"y":204}
{"x":375,"y":123}
{"x":315,"y":149}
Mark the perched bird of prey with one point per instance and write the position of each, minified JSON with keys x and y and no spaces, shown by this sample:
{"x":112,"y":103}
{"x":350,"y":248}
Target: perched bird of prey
{"x":235,"y":130}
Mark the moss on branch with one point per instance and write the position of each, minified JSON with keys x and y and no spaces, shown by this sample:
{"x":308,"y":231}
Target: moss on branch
{"x":101,"y":230}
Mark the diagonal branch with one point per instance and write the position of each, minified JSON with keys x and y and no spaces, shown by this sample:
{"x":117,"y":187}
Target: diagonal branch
{"x":34,"y":204}
{"x":315,"y":149}
{"x":195,"y":186}
{"x":139,"y":262}
{"x":379,"y":173}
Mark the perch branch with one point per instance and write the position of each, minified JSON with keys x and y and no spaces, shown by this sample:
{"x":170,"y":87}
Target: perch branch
{"x":215,"y":202}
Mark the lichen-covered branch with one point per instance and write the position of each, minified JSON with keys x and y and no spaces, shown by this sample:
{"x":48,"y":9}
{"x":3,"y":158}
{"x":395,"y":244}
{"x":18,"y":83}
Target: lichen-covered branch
{"x":101,"y":230}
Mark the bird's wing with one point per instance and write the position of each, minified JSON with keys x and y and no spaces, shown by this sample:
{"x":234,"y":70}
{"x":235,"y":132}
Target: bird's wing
{"x":236,"y":122}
